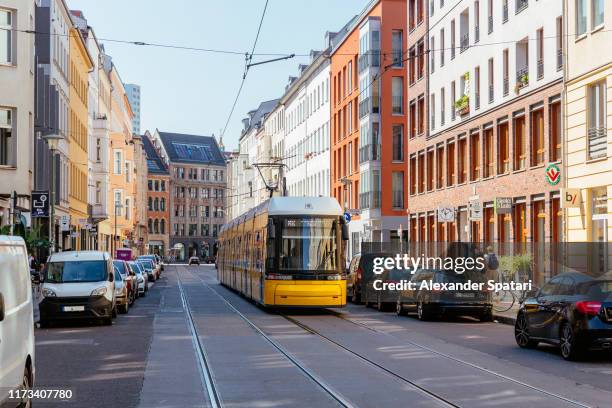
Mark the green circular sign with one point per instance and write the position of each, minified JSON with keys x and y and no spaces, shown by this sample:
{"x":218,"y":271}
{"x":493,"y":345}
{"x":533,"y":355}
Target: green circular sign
{"x":553,"y":174}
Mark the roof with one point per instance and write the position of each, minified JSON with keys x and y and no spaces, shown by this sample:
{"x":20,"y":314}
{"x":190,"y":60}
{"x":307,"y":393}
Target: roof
{"x":79,"y":256}
{"x":155,"y":164}
{"x":259,"y":114}
{"x":193,"y":149}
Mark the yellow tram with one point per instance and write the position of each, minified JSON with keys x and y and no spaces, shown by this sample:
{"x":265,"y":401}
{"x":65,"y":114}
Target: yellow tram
{"x":288,"y":251}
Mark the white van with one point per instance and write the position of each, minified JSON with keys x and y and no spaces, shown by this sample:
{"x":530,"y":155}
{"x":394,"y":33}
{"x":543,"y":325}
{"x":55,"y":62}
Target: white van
{"x":78,"y":285}
{"x":16,"y":319}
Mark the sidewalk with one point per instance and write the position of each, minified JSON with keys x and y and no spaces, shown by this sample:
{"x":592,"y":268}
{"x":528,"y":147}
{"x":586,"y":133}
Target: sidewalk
{"x":508,"y":316}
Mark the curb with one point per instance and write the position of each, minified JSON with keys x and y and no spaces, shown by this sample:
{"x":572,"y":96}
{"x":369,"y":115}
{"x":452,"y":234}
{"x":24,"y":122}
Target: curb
{"x":504,"y":319}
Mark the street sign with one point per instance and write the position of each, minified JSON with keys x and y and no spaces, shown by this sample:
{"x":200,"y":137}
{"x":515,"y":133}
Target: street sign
{"x":446,"y":214}
{"x":347,"y":217}
{"x":475,"y":210}
{"x":503,"y":205}
{"x":40,"y":204}
{"x":65,"y":223}
{"x":553,"y":174}
{"x":571,"y":198}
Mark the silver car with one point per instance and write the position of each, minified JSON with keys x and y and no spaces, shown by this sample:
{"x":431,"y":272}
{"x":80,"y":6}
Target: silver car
{"x":141,"y":275}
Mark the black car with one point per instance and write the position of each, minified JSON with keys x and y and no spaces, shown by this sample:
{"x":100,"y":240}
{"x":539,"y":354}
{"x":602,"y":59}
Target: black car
{"x":194,"y":260}
{"x":572,"y":311}
{"x":360,"y":275}
{"x":428,"y":303}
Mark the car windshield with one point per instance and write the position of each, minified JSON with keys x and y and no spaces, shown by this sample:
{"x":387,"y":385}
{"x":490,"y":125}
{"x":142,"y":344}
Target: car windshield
{"x":146,"y":264}
{"x":120,"y":266}
{"x":118,"y":276}
{"x":308,"y":245}
{"x":597,"y":290}
{"x":75,"y":271}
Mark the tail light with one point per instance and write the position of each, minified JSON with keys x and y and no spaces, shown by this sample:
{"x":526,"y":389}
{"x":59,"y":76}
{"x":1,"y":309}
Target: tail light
{"x":588,"y":307}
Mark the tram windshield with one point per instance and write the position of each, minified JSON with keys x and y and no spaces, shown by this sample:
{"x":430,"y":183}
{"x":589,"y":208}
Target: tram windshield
{"x":309,"y":245}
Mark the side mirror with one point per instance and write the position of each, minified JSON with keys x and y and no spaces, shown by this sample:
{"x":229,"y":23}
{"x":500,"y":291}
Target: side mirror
{"x":1,"y":307}
{"x":271,"y":230}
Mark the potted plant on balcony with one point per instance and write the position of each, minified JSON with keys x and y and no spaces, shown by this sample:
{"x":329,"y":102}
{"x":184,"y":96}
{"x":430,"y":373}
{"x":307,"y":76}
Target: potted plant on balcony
{"x":523,"y":81}
{"x":462,"y":105}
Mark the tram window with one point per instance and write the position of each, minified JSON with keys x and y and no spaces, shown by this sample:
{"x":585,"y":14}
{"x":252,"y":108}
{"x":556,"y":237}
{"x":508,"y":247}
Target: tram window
{"x":309,"y":245}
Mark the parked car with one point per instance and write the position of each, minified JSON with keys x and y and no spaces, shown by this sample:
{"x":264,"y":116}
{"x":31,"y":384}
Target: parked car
{"x":141,"y":275}
{"x":16,"y":319}
{"x":427,"y":303}
{"x":156,"y":262}
{"x":122,"y":292}
{"x":149,"y":267}
{"x":386,"y":299}
{"x":130,"y":278}
{"x":194,"y":260}
{"x":77,"y":285}
{"x":360,"y":273}
{"x":572,"y":311}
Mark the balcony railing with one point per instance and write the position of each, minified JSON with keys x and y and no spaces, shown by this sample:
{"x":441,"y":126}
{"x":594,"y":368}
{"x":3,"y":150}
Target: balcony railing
{"x":398,"y":199}
{"x":490,"y":24}
{"x":465,"y":42}
{"x":559,"y":60}
{"x":521,"y":5}
{"x":369,"y":59}
{"x":505,"y":13}
{"x":597,"y":144}
{"x":369,"y":200}
{"x":99,"y":212}
{"x":540,"y":69}
{"x":476,"y":34}
{"x":369,"y":152}
{"x":477,"y":100}
{"x":522,"y":78}
{"x":397,"y":104}
{"x":491,"y":93}
{"x":364,"y":107}
{"x":506,"y":86}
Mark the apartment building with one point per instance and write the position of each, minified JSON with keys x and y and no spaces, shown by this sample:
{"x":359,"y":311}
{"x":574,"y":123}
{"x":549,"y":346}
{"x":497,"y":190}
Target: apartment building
{"x":157,"y":198}
{"x":141,"y":229}
{"x":80,"y":66}
{"x":197,"y":192}
{"x":487,"y":166}
{"x":306,"y":139}
{"x":274,"y":125}
{"x":133,"y":94}
{"x":368,"y":122}
{"x":53,"y":112}
{"x":588,"y":105}
{"x":17,"y":70}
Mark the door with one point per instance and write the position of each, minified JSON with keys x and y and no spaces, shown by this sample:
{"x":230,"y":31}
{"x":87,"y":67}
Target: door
{"x":541,"y":312}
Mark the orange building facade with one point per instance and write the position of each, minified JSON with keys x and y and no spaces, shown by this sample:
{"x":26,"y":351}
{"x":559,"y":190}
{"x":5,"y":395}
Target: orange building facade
{"x":368,"y":123}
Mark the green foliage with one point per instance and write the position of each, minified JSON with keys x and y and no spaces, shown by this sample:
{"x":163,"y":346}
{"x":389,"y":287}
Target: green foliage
{"x":510,"y":265}
{"x":462,"y":102}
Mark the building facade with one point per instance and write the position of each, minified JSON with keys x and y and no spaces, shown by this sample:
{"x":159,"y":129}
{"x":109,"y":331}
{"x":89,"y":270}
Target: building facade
{"x":17,"y":70}
{"x":80,"y":66}
{"x":588,"y":107}
{"x":494,"y":134}
{"x":368,"y":122}
{"x":158,"y":198}
{"x":197,"y":192}
{"x":141,"y":214}
{"x":133,"y":94}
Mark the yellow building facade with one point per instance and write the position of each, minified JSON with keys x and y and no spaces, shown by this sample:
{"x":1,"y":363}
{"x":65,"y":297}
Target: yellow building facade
{"x":80,"y":66}
{"x":588,"y":128}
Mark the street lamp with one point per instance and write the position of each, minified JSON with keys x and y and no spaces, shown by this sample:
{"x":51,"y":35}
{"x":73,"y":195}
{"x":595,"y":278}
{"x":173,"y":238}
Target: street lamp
{"x":53,"y":143}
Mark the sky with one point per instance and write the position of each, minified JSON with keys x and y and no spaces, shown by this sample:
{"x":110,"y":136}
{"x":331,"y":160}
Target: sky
{"x":192,"y":92}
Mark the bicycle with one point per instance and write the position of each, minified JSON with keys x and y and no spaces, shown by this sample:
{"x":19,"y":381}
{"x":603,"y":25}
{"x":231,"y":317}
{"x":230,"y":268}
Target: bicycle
{"x":500,"y":303}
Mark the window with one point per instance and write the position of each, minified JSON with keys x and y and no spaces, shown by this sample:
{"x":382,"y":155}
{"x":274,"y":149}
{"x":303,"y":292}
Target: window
{"x":98,"y":150}
{"x":506,"y":69}
{"x":118,"y":161}
{"x":442,"y":106}
{"x":430,"y":170}
{"x":597,"y":145}
{"x":7,"y":141}
{"x":412,"y":60}
{"x":128,"y":173}
{"x":597,"y":13}
{"x":537,"y":137}
{"x":421,"y":173}
{"x":490,"y":15}
{"x":462,"y":161}
{"x":488,"y":152}
{"x":477,"y":87}
{"x":98,"y":192}
{"x":398,"y":95}
{"x":450,"y":164}
{"x":421,"y":115}
{"x":162,"y":226}
{"x":128,"y":208}
{"x":452,"y":34}
{"x":442,"y":47}
{"x":421,"y":59}
{"x":519,"y":143}
{"x":398,"y":142}
{"x":540,"y":52}
{"x":581,"y":17}
{"x":432,"y":110}
{"x":432,"y":53}
{"x":555,"y":131}
{"x":559,"y":42}
{"x":397,"y":43}
{"x":475,"y":156}
{"x":398,"y":189}
{"x":491,"y":81}
{"x":453,"y":111}
{"x":440,"y":167}
{"x":6,"y":37}
{"x":349,"y":82}
{"x":413,"y":175}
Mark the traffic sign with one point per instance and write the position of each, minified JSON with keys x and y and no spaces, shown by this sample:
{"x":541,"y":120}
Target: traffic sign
{"x":347,"y":217}
{"x":40,"y":204}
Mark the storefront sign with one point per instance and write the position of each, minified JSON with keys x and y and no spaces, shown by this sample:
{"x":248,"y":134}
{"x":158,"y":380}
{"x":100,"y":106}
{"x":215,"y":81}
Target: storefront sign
{"x":446,"y":214}
{"x":40,"y":204}
{"x":553,"y":174}
{"x":571,"y":198}
{"x":65,"y":223}
{"x":503,"y":205}
{"x":475,"y":210}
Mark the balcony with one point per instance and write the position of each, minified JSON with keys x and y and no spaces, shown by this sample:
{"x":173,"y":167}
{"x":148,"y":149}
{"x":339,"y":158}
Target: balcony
{"x":465,"y":42}
{"x":99,"y":212}
{"x":597,"y":143}
{"x":364,"y":107}
{"x":522,"y":78}
{"x":559,"y":60}
{"x":540,"y":69}
{"x":490,"y":24}
{"x":462,"y":105}
{"x":369,"y":153}
{"x":521,"y":5}
{"x":369,"y":59}
{"x":491,"y":93}
{"x":369,"y":200}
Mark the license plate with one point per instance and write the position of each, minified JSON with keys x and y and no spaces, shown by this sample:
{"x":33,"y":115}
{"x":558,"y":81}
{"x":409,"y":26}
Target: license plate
{"x":464,"y":295}
{"x":74,"y":308}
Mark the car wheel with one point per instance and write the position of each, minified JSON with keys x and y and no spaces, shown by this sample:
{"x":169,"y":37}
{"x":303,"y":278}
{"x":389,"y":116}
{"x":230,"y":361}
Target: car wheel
{"x":26,"y":385}
{"x":356,"y":297}
{"x":486,"y":316}
{"x":567,"y":343}
{"x":399,"y":309}
{"x":422,"y":312}
{"x":114,"y":311}
{"x":521,"y":333}
{"x":107,"y":321}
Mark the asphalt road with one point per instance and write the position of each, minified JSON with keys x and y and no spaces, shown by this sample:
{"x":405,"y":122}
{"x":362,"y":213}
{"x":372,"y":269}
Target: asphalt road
{"x":154,"y":357}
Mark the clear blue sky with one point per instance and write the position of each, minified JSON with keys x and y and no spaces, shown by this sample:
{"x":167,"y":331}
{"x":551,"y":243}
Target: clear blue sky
{"x":192,"y":92}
